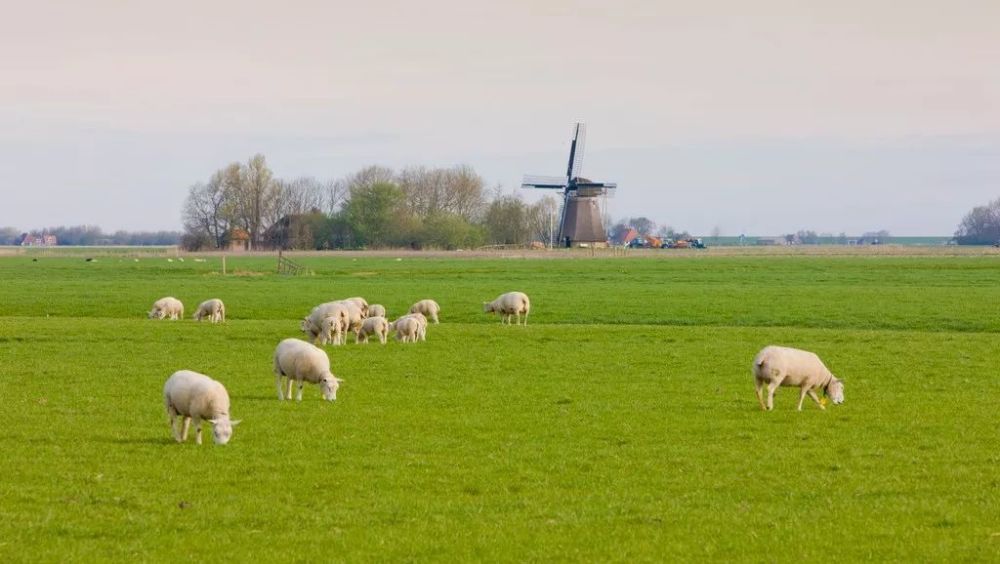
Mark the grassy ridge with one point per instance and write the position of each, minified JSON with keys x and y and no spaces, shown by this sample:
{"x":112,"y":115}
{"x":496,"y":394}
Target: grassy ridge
{"x":624,"y":430}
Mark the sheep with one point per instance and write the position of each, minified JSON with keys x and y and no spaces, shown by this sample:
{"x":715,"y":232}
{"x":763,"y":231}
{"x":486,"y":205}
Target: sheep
{"x":355,"y":316}
{"x":509,"y":305}
{"x":167,"y":308}
{"x":313,"y":324}
{"x":361,"y":303}
{"x":332,"y":330}
{"x":429,"y":308}
{"x":377,"y":310}
{"x":374,"y":326}
{"x":784,"y":366}
{"x":421,"y":324}
{"x":295,"y":359}
{"x":213,"y":309}
{"x":196,"y":396}
{"x":407,"y":329}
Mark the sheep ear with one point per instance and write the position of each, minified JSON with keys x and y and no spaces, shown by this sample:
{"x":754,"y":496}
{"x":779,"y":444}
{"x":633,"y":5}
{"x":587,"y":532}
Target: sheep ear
{"x":339,"y":381}
{"x":212,"y":421}
{"x":235,"y":423}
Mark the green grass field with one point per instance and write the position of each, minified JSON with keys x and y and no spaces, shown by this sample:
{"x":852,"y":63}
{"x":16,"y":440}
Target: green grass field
{"x":620,"y":425}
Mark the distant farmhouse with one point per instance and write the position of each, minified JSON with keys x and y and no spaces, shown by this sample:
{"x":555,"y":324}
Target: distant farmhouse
{"x":38,"y":240}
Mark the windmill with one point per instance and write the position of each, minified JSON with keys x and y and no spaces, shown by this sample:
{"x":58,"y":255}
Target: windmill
{"x":580,"y":221}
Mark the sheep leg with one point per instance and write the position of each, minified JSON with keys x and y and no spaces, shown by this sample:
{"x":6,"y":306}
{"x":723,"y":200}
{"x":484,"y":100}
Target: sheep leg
{"x":812,"y":394}
{"x":184,"y":428}
{"x":197,"y":431}
{"x":802,"y":396}
{"x":173,"y":422}
{"x":302,"y":384}
{"x":525,"y":319}
{"x":771,"y":387}
{"x":277,"y":382}
{"x":291,"y":383}
{"x":758,"y":387}
{"x":518,"y":314}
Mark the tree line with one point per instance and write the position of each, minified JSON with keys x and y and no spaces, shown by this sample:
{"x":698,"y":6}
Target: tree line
{"x":91,"y":235}
{"x":375,"y":207}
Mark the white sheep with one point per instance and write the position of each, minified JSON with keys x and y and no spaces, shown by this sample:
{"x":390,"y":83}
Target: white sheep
{"x":196,"y":396}
{"x":429,"y":308}
{"x":167,"y":308}
{"x":313,"y":323}
{"x":361,"y":303}
{"x":421,"y":324}
{"x":407,"y":329}
{"x":509,"y":305}
{"x":295,"y":359}
{"x":377,"y":310}
{"x":213,"y":309}
{"x":784,"y":366}
{"x":374,"y":326}
{"x":355,"y":315}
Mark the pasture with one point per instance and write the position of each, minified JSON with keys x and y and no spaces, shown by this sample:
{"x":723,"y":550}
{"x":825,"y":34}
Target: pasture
{"x":620,"y":425}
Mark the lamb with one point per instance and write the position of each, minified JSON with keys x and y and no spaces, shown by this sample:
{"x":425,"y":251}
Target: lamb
{"x":509,"y":305}
{"x":377,"y":310}
{"x":421,"y":324}
{"x":429,"y":308}
{"x":374,"y":326}
{"x":196,"y":396}
{"x":213,"y":309}
{"x":407,"y":329}
{"x":295,"y":359}
{"x":784,"y":366}
{"x":167,"y":308}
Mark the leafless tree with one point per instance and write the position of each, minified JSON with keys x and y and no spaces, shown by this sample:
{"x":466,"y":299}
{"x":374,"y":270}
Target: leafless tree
{"x":252,"y":197}
{"x":458,"y":190}
{"x":204,"y":209}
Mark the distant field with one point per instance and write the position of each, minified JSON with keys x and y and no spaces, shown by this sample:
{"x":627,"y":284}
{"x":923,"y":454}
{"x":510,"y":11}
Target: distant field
{"x":619,"y":426}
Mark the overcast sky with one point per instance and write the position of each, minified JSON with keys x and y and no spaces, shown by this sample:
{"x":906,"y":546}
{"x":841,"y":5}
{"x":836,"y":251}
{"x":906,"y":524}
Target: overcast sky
{"x":759,"y":117}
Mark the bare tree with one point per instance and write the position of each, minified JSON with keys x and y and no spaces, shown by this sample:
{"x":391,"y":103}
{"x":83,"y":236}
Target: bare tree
{"x":252,"y":197}
{"x":643,"y":225}
{"x":457,"y":190}
{"x":981,"y":226}
{"x":336,"y":193}
{"x":204,"y":209}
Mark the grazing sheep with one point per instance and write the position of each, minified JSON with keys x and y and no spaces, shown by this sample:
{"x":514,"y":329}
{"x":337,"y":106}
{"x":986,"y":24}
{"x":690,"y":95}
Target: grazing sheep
{"x":421,"y":324}
{"x":374,"y":326}
{"x":213,"y":309}
{"x":295,"y":359}
{"x":407,"y":329}
{"x":196,"y":396}
{"x":509,"y":305}
{"x":314,"y":326}
{"x":784,"y":366}
{"x":377,"y":310}
{"x":361,"y":303}
{"x":429,"y":308}
{"x":167,"y":308}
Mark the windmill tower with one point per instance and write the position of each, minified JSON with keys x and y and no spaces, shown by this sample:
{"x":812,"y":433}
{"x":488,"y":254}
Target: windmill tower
{"x":580,"y":221}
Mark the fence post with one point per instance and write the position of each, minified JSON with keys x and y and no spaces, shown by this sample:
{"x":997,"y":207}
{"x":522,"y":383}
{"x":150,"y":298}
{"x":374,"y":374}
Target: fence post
{"x":223,"y":265}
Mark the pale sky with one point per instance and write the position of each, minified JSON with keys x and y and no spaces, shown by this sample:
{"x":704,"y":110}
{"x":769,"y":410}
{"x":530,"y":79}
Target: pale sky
{"x":760,"y":117}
